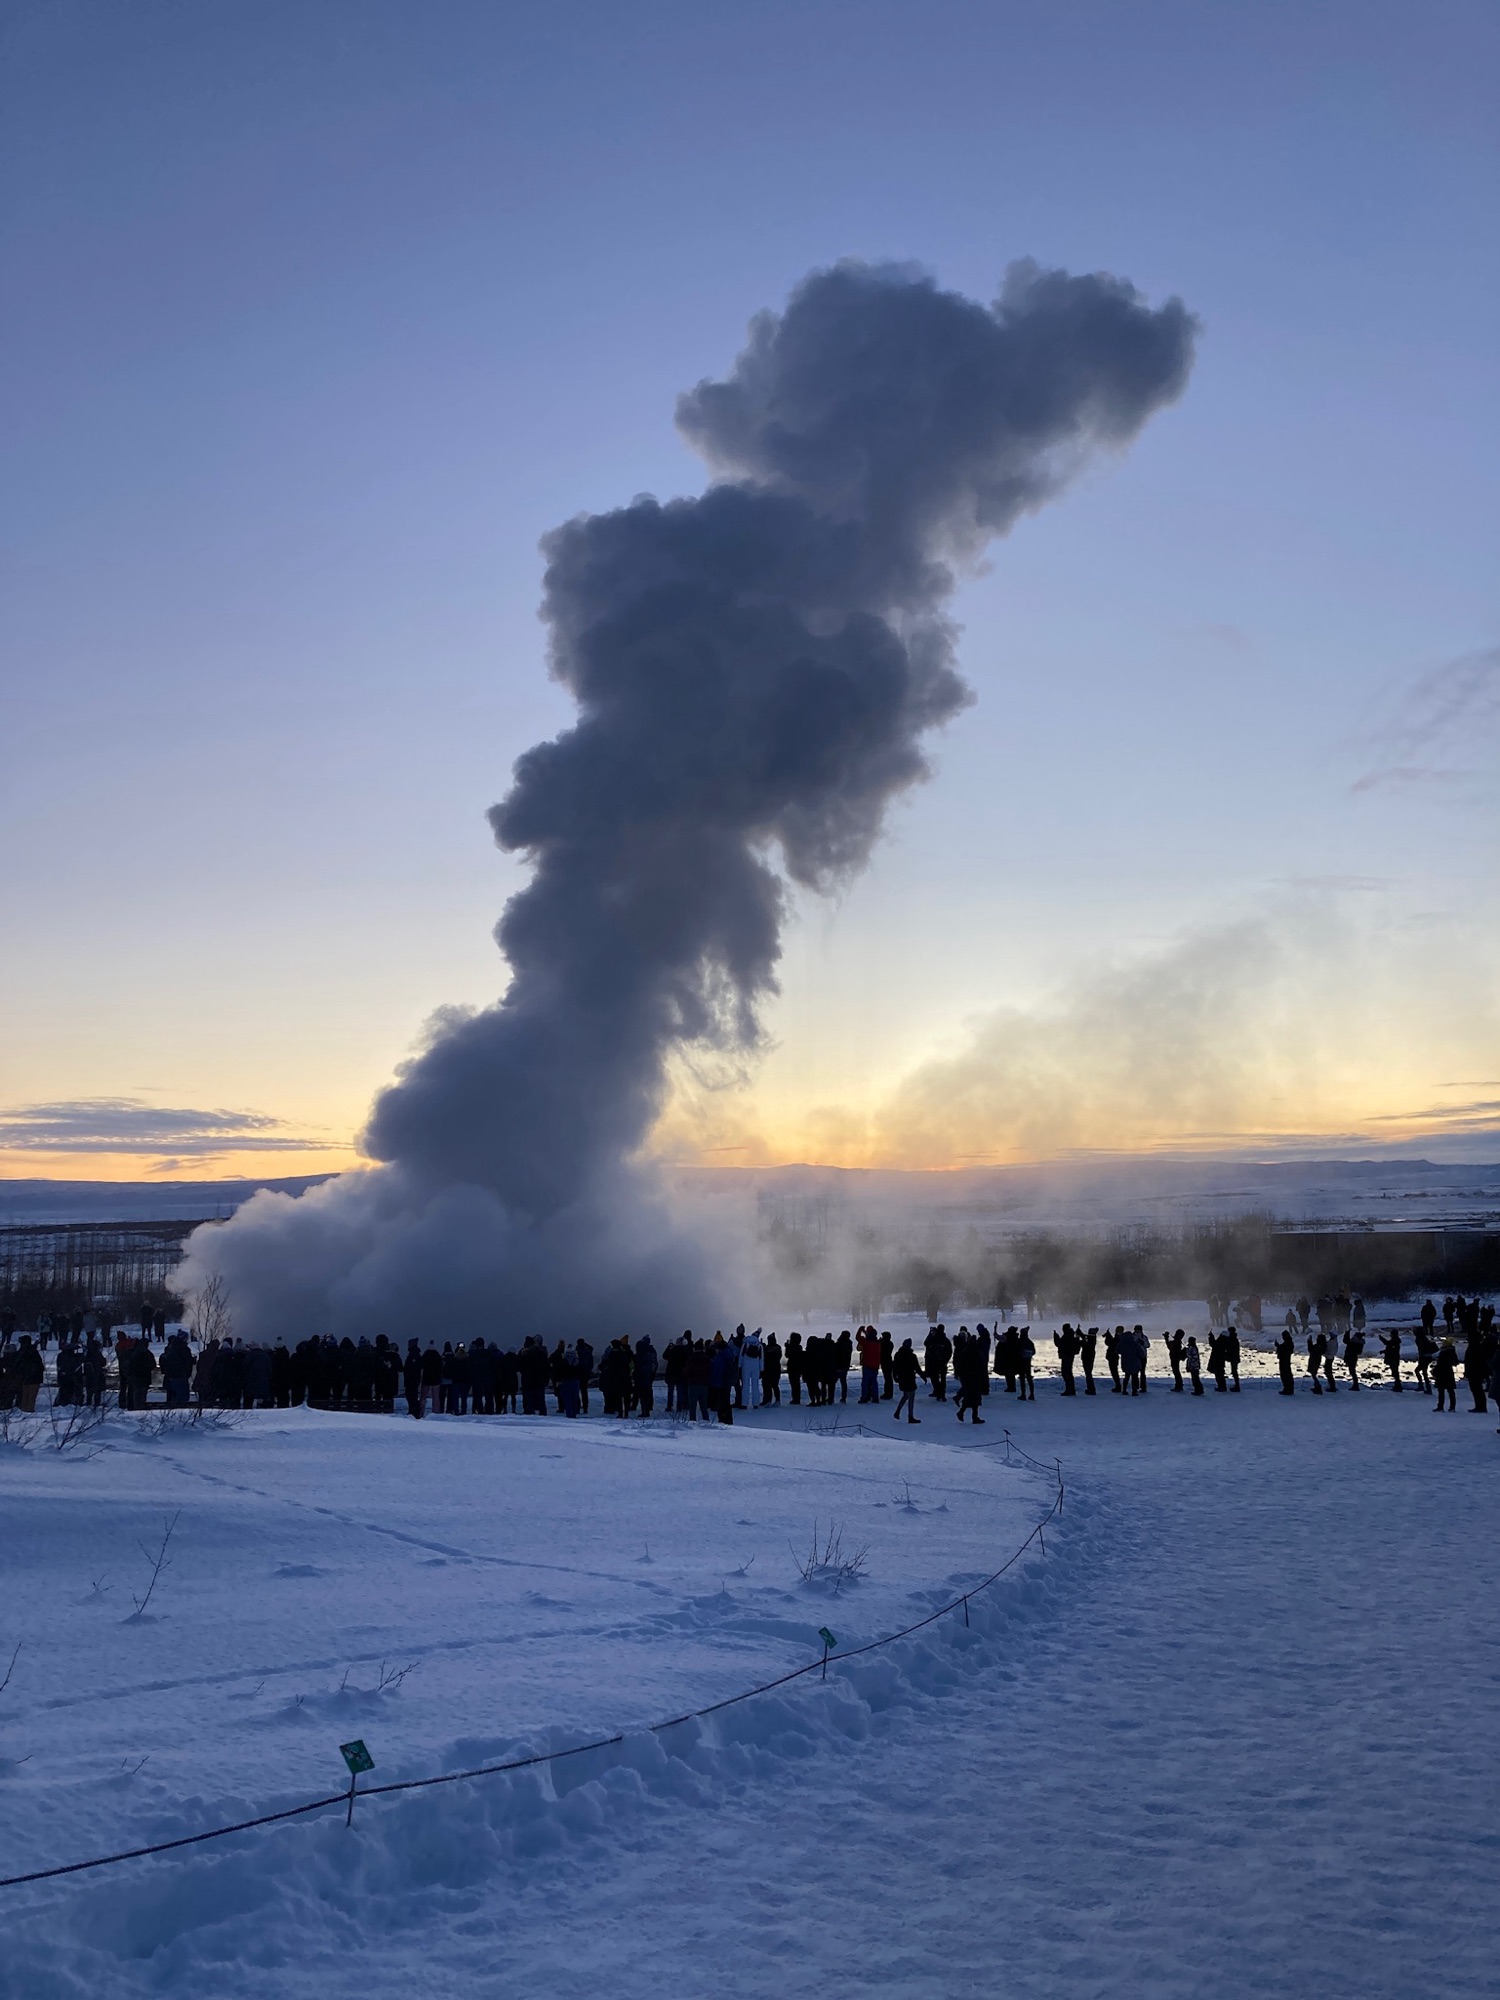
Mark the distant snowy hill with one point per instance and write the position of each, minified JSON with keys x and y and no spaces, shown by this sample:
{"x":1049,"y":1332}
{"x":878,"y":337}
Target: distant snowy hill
{"x":39,"y":1203}
{"x":1395,"y":1192}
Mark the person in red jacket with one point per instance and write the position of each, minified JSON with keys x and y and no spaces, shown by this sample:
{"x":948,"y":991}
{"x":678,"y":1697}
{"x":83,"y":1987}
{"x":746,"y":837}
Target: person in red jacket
{"x":869,"y":1365}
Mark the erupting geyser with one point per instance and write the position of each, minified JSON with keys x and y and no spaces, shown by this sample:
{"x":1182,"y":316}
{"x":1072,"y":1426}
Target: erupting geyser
{"x":755,"y":670}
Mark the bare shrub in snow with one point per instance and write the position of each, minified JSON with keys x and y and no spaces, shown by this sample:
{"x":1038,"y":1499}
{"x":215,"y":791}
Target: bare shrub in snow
{"x":73,"y":1424}
{"x":20,"y":1429}
{"x":826,"y":1561}
{"x":159,"y":1423}
{"x":386,"y":1681}
{"x":158,"y":1562}
{"x":62,"y":1426}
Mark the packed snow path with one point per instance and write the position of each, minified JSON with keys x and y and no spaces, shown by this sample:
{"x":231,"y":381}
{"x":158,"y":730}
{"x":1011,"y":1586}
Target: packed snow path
{"x":1234,"y":1735}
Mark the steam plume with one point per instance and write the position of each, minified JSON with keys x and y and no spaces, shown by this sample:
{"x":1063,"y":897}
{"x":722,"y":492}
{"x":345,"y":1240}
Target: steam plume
{"x":755,"y":671}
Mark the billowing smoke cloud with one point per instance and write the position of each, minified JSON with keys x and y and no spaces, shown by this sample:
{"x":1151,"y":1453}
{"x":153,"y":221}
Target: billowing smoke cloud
{"x":755,"y":671}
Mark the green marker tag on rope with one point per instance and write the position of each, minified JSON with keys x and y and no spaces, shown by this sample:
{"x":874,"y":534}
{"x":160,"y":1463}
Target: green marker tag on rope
{"x":823,"y":1633}
{"x":357,"y":1757}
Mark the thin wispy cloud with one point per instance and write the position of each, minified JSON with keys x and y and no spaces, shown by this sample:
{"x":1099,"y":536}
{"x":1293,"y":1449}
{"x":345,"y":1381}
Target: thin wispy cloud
{"x":1439,"y":729}
{"x":129,"y":1125}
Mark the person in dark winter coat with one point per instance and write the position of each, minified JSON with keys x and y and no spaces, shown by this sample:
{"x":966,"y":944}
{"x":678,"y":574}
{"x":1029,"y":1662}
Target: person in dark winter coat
{"x":140,"y":1370}
{"x":29,"y":1371}
{"x":699,"y":1380}
{"x":1390,"y":1354}
{"x":966,"y":1369}
{"x":1067,"y":1344}
{"x":645,"y":1376}
{"x":1315,"y":1361}
{"x":907,"y":1371}
{"x":1476,"y":1354}
{"x":1286,"y":1347}
{"x":1025,"y":1351}
{"x":177,"y":1370}
{"x":937,"y":1351}
{"x":770,"y":1377}
{"x":615,"y":1369}
{"x":93,"y":1373}
{"x":69,"y":1391}
{"x":281,"y":1376}
{"x":1175,"y":1345}
{"x":1112,"y":1356}
{"x":1088,"y":1348}
{"x":565,"y":1380}
{"x":794,"y":1365}
{"x":432,"y":1378}
{"x":1445,"y":1376}
{"x":1006,"y":1361}
{"x":723,"y":1375}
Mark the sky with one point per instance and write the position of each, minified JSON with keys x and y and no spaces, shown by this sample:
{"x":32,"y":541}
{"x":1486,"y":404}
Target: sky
{"x":317,"y":319}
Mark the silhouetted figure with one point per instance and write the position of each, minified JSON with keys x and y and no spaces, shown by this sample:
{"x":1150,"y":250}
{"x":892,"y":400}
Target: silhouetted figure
{"x":1391,"y":1355}
{"x":1445,"y":1376}
{"x":1067,"y":1344}
{"x":937,"y":1352}
{"x":869,"y":1365}
{"x":1025,"y":1354}
{"x":771,"y":1371}
{"x":1427,"y":1347}
{"x":1476,"y":1354}
{"x":1193,"y":1361}
{"x":1286,"y":1347}
{"x":646,"y":1364}
{"x":1354,"y":1348}
{"x":1315,"y":1361}
{"x":972,"y":1375}
{"x":794,"y":1360}
{"x":907,"y":1371}
{"x":1175,"y":1344}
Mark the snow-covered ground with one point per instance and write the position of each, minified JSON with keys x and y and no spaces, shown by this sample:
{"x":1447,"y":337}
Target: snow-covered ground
{"x":1232,"y":1733}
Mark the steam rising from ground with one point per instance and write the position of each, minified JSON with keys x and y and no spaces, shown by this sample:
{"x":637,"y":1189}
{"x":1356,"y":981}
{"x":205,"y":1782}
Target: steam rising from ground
{"x":1316,"y":1019}
{"x":755,"y":672}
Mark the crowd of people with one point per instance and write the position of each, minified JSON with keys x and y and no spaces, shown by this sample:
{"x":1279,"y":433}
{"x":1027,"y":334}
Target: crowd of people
{"x":705,"y":1379}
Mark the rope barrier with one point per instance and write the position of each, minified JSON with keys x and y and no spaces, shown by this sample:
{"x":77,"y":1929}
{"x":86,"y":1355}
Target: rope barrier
{"x":340,"y":1798}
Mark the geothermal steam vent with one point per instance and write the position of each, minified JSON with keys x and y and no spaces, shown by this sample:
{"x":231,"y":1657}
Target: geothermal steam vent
{"x":755,"y":671}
